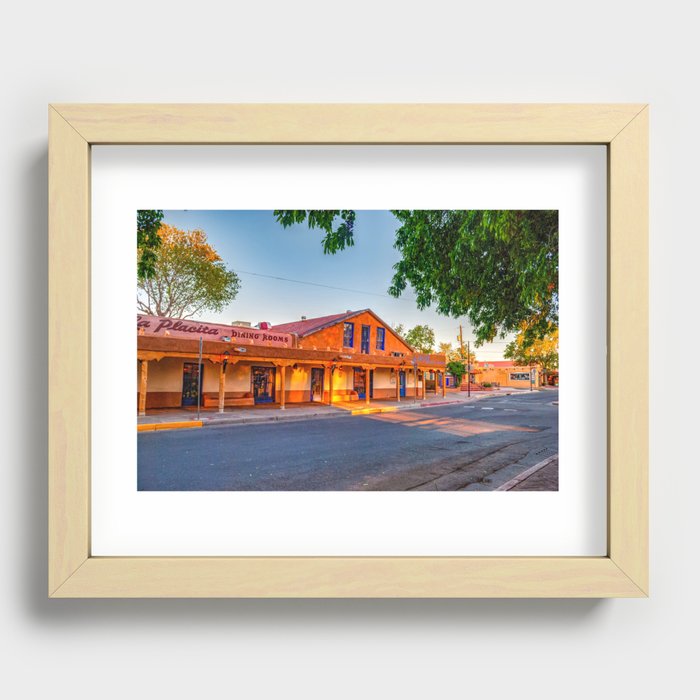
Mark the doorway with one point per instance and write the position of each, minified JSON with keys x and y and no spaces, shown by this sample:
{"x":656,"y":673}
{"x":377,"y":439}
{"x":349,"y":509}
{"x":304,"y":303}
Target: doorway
{"x":402,"y":384}
{"x":317,"y":376}
{"x":191,"y":384}
{"x":263,"y":379}
{"x":358,"y":382}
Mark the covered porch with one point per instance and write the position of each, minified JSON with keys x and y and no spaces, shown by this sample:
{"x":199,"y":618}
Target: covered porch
{"x":171,"y":376}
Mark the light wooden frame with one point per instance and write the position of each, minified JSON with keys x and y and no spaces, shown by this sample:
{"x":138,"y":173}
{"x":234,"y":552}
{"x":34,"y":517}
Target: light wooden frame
{"x":73,"y":572}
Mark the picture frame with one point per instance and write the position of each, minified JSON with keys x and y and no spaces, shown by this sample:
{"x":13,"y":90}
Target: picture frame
{"x":75,"y":573}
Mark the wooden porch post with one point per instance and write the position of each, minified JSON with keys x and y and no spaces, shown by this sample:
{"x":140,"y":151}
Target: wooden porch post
{"x":367,"y":386}
{"x":415,"y":383}
{"x":222,"y":387}
{"x":143,"y":387}
{"x":398,"y":384}
{"x":282,"y":385}
{"x":331,"y":372}
{"x":444,"y":384}
{"x":423,"y":385}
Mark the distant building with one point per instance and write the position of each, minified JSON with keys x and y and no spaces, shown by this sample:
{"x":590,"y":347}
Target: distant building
{"x":506,"y":373}
{"x":348,"y":356}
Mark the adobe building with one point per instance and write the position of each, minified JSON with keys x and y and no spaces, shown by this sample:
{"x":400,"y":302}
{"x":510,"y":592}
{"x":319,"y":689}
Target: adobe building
{"x":351,"y":356}
{"x":506,"y":373}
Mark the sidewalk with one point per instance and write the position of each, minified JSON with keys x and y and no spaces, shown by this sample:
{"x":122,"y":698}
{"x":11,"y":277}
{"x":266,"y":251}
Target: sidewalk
{"x":544,"y":478}
{"x":161,"y":419}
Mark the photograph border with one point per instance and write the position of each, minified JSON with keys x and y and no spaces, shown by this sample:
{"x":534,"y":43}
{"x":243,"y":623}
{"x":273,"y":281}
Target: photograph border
{"x":75,"y":128}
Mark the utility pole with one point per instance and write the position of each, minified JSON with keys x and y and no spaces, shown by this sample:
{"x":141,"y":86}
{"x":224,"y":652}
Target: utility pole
{"x":469,"y":367}
{"x":461,"y":354}
{"x":199,"y":377}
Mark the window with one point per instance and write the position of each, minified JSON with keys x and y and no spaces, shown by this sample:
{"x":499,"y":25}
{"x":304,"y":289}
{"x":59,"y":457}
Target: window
{"x":364,"y":343}
{"x":519,"y":376}
{"x":380,"y":338}
{"x":348,"y":335}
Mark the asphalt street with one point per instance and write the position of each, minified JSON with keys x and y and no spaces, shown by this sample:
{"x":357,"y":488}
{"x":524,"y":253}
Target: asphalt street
{"x":464,"y":446}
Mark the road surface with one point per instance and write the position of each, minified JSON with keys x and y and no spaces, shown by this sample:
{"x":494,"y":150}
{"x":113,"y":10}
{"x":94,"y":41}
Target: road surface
{"x":465,"y":446}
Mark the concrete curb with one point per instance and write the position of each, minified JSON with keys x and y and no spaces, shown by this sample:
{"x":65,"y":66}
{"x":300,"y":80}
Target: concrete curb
{"x":528,"y":472}
{"x":337,"y":412}
{"x":175,"y":425}
{"x":269,"y":419}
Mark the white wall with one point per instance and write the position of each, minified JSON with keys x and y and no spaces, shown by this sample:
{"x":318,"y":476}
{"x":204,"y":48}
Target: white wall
{"x":365,"y":52}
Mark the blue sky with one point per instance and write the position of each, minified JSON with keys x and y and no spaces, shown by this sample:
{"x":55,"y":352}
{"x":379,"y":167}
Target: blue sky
{"x":253,"y":244}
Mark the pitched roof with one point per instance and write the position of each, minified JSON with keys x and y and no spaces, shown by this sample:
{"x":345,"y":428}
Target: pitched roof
{"x":311,"y":325}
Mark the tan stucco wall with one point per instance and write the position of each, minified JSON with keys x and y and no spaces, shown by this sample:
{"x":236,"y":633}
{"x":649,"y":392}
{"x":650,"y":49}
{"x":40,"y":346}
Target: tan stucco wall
{"x":332,"y":337}
{"x":501,"y":375}
{"x":164,"y":375}
{"x":238,"y":378}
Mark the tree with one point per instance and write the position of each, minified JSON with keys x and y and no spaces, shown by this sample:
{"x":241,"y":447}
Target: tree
{"x":188,"y":277}
{"x":421,"y":338}
{"x":459,"y":354}
{"x":543,"y":352}
{"x":147,"y":240}
{"x":457,"y":369}
{"x":338,"y":237}
{"x":498,"y":268}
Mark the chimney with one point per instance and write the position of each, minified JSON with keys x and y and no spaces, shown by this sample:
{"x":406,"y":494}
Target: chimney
{"x":348,"y":311}
{"x":303,"y":318}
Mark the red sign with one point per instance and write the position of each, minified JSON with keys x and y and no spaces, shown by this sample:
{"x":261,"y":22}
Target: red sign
{"x":185,"y":328}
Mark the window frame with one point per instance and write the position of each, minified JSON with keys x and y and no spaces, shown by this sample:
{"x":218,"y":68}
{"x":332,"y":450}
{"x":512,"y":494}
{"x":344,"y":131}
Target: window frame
{"x":349,"y":325}
{"x":383,"y":336}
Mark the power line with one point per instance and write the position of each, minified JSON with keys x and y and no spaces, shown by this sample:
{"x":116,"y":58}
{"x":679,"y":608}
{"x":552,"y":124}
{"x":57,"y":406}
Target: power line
{"x":355,"y":291}
{"x":325,"y":286}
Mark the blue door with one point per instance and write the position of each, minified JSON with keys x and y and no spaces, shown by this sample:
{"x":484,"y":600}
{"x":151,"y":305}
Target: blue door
{"x":263,"y":379}
{"x":365,"y":340}
{"x":191,"y":384}
{"x":402,"y":384}
{"x":358,"y":382}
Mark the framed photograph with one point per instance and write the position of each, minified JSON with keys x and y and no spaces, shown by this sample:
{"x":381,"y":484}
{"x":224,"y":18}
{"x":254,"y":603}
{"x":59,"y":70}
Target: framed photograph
{"x":376,"y":350}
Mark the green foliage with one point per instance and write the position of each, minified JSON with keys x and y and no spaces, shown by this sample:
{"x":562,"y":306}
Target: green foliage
{"x":147,"y":240}
{"x":421,"y":338}
{"x":541,"y":351}
{"x":457,"y":369}
{"x":498,"y":268}
{"x":458,"y":354}
{"x":188,"y":277}
{"x":338,"y":237}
